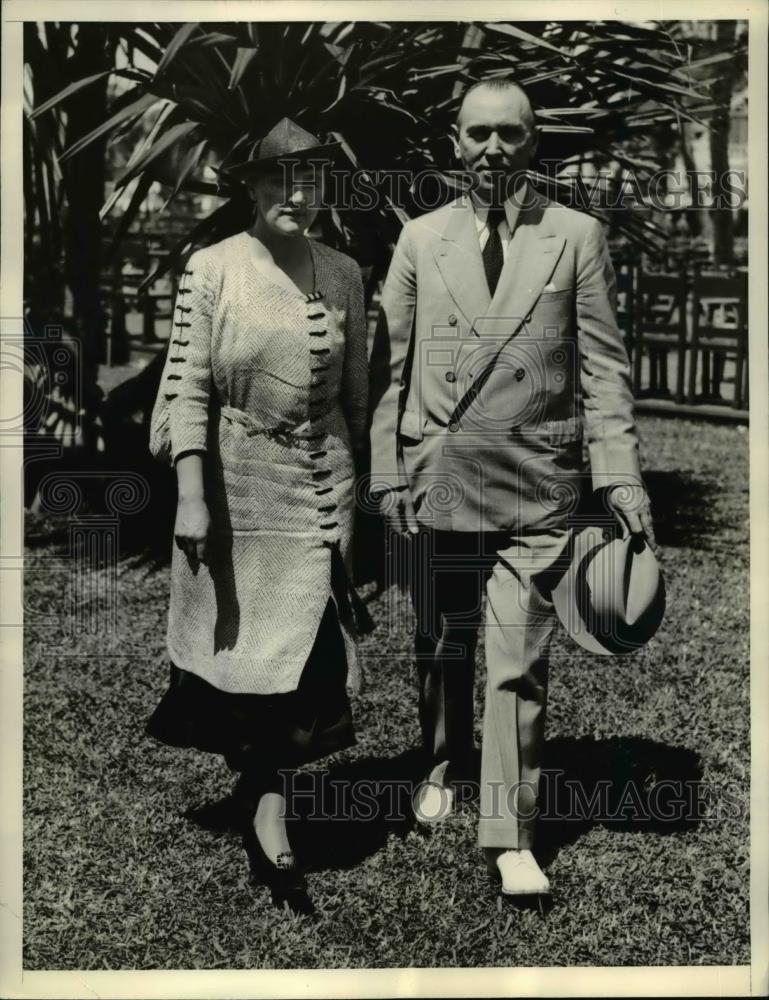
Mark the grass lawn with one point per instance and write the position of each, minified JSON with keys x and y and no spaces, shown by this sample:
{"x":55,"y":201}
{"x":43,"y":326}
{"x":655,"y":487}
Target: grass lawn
{"x":117,"y":878}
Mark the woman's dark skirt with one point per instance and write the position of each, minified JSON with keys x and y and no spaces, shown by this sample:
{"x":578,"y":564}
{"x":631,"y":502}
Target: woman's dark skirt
{"x":264,"y":732}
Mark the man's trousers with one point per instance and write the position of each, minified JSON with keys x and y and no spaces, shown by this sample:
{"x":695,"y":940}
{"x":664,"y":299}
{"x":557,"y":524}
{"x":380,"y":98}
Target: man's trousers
{"x":450,"y":571}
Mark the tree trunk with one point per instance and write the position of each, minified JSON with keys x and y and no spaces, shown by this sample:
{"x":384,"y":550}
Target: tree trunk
{"x":693,"y":217}
{"x":84,"y":178}
{"x":43,"y":280}
{"x":721,"y":212}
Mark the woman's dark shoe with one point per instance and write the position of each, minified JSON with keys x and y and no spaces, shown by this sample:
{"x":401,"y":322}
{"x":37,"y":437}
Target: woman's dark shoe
{"x":284,"y":879}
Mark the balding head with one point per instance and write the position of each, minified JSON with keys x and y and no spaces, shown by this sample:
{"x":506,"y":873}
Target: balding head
{"x":505,"y":88}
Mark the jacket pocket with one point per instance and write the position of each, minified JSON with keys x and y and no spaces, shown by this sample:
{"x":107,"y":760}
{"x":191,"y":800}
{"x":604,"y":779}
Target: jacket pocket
{"x":411,"y":426}
{"x":563,"y":293}
{"x":562,"y":432}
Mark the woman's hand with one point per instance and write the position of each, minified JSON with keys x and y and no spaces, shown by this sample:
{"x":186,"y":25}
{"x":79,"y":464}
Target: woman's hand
{"x":192,"y":518}
{"x":191,"y":528}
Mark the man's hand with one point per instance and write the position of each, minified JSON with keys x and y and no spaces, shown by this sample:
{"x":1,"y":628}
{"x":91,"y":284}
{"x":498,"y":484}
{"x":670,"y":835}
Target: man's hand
{"x":397,"y":507}
{"x":632,"y":507}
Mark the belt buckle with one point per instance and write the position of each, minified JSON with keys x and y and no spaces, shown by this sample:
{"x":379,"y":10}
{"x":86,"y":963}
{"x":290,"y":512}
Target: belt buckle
{"x":282,"y":429}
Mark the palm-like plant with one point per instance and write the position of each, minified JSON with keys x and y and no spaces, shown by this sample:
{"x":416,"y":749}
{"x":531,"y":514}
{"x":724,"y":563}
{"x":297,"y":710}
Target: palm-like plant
{"x":62,"y":200}
{"x":199,"y":95}
{"x":390,"y":92}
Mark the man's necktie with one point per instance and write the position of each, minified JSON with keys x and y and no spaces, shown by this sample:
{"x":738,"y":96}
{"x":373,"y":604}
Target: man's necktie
{"x":492,"y":252}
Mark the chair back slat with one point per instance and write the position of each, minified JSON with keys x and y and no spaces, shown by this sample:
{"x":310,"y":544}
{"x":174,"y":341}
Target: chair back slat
{"x":720,"y":305}
{"x":626,"y":304}
{"x":662,"y":302}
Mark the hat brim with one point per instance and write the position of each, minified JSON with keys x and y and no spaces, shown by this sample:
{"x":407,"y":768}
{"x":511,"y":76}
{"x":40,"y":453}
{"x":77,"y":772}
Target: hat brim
{"x":256,"y":167}
{"x":572,"y":607}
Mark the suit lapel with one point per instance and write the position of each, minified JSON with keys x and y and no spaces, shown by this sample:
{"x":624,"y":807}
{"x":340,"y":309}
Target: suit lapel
{"x":534,"y":251}
{"x":458,"y":256}
{"x":527,"y":269}
{"x":532,"y":256}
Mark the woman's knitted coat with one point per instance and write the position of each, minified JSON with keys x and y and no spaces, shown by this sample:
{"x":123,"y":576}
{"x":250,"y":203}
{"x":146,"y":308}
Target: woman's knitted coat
{"x":272,"y":385}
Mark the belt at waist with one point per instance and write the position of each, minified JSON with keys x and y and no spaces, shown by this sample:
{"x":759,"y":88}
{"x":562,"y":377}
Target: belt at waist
{"x":307,"y":430}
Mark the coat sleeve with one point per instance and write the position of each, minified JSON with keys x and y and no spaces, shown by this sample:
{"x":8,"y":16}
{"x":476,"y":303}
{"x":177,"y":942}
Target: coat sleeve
{"x":354,"y":399}
{"x":389,"y":377}
{"x":604,"y":368}
{"x":180,"y":416}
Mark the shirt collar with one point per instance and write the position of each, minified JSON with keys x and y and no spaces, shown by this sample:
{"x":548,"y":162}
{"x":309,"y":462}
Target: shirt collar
{"x":512,"y":208}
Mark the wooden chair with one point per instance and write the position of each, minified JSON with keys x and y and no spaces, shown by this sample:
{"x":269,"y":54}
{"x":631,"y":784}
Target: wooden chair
{"x":626,"y":308}
{"x":661,"y":329}
{"x":719,"y":335}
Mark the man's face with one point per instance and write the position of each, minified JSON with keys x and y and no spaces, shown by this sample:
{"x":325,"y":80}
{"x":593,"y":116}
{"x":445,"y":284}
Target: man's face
{"x":495,"y":135}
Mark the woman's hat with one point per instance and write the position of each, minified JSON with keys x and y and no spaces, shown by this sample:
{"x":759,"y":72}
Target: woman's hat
{"x":611,"y":599}
{"x":286,"y":142}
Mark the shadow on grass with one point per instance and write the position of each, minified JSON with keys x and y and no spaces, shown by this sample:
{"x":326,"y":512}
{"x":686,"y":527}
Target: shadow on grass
{"x":682,"y":506}
{"x":628,"y":784}
{"x":341,"y":815}
{"x":346,"y":813}
{"x":337,"y":816}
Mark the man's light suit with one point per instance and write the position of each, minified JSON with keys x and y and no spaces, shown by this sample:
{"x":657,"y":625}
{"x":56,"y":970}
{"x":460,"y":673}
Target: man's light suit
{"x":481,"y":406}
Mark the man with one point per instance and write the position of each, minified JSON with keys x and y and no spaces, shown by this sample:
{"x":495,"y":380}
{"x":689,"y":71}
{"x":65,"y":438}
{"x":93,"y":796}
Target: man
{"x":496,"y":343}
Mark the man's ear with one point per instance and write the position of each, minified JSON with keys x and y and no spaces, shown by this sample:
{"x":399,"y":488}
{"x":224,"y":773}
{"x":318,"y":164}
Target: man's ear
{"x":454,"y":136}
{"x":534,"y":142}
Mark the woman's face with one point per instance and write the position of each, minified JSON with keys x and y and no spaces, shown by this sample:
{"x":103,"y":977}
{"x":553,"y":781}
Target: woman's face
{"x":288,"y":200}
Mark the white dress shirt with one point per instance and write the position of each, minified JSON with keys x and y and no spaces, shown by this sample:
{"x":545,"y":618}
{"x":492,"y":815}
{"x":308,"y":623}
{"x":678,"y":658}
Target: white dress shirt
{"x":506,"y":228}
{"x":481,"y":224}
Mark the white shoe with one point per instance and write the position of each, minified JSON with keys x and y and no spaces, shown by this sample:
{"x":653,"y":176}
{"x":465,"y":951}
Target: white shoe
{"x":433,"y":800}
{"x":521,"y":875}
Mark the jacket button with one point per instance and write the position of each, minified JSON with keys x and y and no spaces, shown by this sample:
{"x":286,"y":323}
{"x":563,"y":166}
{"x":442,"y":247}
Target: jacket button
{"x":452,"y":320}
{"x":451,"y":377}
{"x":520,"y":374}
{"x":453,"y":426}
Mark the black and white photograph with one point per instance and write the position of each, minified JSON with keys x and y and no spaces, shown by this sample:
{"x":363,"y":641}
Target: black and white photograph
{"x":384,"y":532}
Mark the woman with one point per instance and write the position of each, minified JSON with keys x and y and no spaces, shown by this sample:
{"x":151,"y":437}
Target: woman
{"x":261,"y":407}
